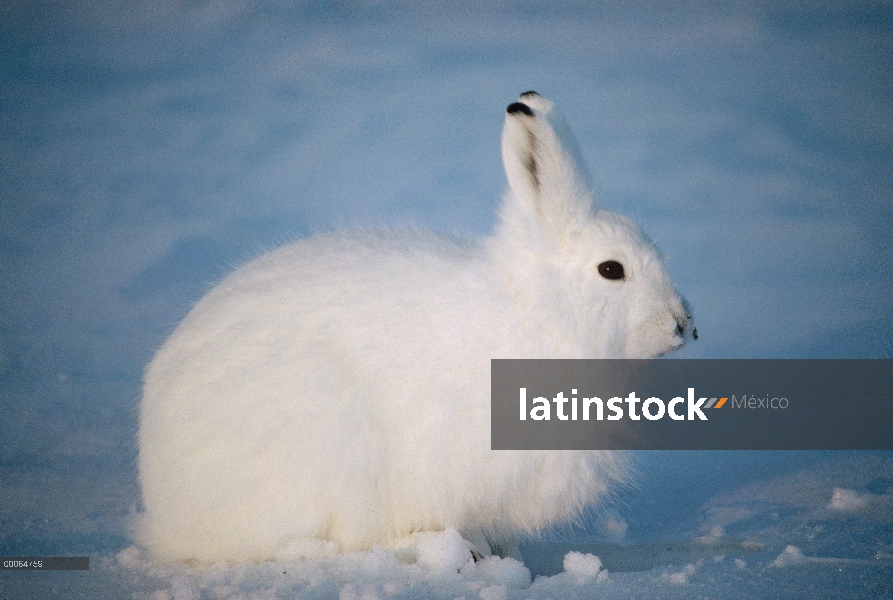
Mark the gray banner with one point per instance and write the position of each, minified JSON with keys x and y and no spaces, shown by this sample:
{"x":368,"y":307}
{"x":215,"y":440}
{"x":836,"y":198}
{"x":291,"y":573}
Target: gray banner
{"x":672,"y":404}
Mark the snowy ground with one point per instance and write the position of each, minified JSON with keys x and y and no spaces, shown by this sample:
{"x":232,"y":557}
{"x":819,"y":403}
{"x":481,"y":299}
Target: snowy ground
{"x":146,"y":147}
{"x":794,"y":535}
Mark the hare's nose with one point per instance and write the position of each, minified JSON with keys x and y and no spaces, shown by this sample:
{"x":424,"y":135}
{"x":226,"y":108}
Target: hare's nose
{"x":682,"y":327}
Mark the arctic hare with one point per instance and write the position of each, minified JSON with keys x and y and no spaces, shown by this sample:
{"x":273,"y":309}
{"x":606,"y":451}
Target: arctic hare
{"x":339,"y":387}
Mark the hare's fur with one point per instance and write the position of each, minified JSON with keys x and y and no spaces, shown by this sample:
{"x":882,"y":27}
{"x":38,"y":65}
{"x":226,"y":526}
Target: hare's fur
{"x":339,"y":387}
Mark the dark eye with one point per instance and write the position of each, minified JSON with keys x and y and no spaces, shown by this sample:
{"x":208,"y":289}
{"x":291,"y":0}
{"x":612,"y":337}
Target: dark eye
{"x":611,"y":269}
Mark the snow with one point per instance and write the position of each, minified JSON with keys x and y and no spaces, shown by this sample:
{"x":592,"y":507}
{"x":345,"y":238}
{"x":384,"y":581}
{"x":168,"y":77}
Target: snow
{"x":778,"y":538}
{"x":847,"y":500}
{"x":146,"y":148}
{"x":791,"y":556}
{"x":584,"y":567}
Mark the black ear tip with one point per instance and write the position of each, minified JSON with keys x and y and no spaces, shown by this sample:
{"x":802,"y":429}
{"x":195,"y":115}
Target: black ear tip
{"x":517,"y":107}
{"x":529,"y":94}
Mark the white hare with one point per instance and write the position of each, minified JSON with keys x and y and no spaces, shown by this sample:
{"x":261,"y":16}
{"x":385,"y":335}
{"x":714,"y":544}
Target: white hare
{"x":339,"y":387}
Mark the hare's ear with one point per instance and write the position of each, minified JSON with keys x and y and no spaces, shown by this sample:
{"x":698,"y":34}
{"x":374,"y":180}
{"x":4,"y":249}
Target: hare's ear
{"x":547,"y":179}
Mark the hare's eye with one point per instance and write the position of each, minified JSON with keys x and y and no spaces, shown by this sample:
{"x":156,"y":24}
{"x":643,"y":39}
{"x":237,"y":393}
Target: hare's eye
{"x":611,"y":269}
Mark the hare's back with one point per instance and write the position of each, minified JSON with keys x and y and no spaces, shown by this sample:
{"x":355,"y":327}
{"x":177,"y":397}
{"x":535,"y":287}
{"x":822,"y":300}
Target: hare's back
{"x":325,"y":309}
